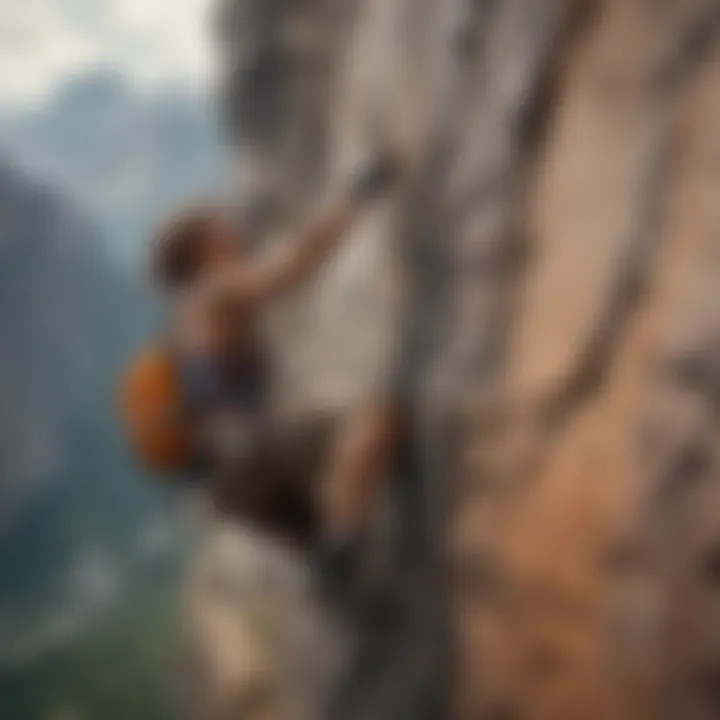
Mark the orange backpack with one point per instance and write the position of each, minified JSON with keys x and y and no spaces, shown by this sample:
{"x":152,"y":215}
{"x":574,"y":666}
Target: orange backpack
{"x":153,"y":412}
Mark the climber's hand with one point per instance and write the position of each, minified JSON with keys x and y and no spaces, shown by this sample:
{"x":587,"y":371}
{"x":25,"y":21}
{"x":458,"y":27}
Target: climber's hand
{"x":378,"y":176}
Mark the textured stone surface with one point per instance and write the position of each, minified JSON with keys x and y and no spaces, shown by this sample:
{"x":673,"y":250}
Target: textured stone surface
{"x":258,"y":644}
{"x":558,"y":232}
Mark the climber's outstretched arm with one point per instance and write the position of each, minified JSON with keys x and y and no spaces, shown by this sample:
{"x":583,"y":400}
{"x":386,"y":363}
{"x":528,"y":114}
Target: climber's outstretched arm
{"x":284,"y":267}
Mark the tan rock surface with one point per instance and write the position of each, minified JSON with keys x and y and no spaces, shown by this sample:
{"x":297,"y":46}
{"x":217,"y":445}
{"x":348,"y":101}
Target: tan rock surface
{"x":561,"y":218}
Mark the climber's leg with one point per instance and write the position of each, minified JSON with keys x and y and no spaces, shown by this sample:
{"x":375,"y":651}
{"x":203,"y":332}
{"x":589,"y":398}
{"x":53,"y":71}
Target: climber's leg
{"x":357,"y":468}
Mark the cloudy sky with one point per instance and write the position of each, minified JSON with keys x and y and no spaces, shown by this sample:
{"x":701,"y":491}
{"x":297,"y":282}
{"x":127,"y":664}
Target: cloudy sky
{"x":150,"y":41}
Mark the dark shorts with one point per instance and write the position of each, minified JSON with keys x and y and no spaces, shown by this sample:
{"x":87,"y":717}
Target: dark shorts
{"x":275,"y":486}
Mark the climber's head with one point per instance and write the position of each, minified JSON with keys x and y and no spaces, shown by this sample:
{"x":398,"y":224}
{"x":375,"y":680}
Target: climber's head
{"x":192,"y":242}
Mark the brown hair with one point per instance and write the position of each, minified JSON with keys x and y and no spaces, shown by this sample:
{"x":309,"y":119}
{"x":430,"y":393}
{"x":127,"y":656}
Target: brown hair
{"x":177,"y":249}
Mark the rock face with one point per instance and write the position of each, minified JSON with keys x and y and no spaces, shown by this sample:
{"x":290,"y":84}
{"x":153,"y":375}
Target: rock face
{"x":557,"y":228}
{"x":259,"y":645}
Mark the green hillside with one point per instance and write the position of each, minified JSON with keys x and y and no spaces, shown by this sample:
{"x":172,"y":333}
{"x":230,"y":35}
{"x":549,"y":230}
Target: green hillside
{"x":121,"y":670}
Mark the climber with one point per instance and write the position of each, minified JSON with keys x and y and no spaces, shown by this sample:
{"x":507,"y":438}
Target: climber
{"x":198,"y":404}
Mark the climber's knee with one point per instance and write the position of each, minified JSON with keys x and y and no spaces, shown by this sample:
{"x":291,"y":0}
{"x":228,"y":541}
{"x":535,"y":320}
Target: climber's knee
{"x":357,"y":466}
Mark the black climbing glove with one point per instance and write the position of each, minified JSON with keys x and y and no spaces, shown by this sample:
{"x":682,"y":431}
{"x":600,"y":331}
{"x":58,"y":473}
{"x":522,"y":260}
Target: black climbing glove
{"x":376,"y":178}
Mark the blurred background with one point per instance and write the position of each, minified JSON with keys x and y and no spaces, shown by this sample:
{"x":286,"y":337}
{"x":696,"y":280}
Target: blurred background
{"x":105,"y":123}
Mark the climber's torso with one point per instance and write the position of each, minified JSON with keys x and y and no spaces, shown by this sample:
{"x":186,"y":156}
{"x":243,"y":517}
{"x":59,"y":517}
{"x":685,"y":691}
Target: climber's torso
{"x":254,"y":464}
{"x":224,"y":375}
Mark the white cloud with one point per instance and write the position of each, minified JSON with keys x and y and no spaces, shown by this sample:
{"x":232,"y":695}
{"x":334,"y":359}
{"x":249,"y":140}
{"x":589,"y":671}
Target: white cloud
{"x":150,"y":41}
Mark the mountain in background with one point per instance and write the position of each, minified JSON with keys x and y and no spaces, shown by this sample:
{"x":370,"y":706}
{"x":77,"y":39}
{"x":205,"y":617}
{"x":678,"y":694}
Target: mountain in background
{"x":78,"y":525}
{"x":89,"y":548}
{"x":123,"y":156}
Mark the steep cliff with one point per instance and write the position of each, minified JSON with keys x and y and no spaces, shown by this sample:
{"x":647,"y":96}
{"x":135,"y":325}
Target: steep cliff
{"x":557,"y":231}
